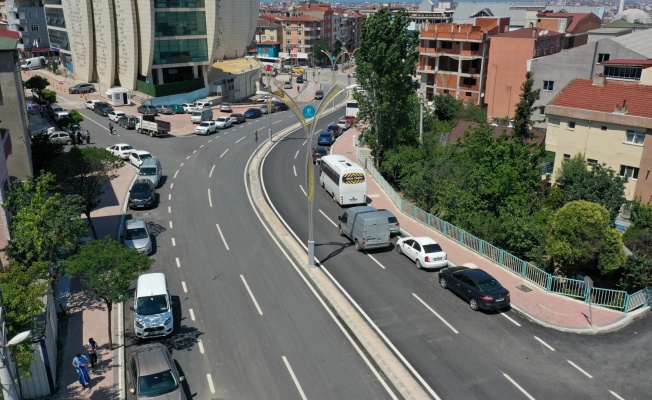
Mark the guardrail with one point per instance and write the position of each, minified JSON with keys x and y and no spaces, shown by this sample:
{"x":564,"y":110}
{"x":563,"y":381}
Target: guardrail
{"x":614,"y":299}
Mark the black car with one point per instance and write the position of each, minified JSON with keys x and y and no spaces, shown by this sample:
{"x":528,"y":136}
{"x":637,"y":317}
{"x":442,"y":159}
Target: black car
{"x":148,"y":110}
{"x":318,"y":152}
{"x":335,"y":129}
{"x":299,"y":79}
{"x":476,"y":286}
{"x":319,"y":95}
{"x":103,"y":109}
{"x":280,"y":106}
{"x":142,"y":194}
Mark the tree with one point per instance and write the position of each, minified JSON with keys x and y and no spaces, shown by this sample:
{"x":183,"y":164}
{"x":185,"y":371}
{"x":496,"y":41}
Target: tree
{"x":637,"y":273}
{"x":447,"y":107}
{"x":44,"y":152}
{"x":321,"y":44}
{"x":84,"y":172}
{"x":523,"y":116}
{"x":49,"y":95}
{"x":107,"y":268}
{"x":641,"y":215}
{"x":37,"y":83}
{"x":74,"y":117}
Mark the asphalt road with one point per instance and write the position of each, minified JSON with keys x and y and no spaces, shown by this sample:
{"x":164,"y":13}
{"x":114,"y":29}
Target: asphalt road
{"x":456,"y":353}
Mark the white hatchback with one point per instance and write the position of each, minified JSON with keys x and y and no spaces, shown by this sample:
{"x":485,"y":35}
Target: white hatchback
{"x":116,"y":115}
{"x":136,"y":157}
{"x":424,"y":251}
{"x":206,"y":128}
{"x":223,"y":122}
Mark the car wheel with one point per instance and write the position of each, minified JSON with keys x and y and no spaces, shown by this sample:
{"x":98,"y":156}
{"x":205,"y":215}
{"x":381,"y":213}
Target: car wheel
{"x":357,"y":246}
{"x":419,"y":266}
{"x":68,"y":141}
{"x":91,"y":90}
{"x":443,"y":283}
{"x":398,"y":249}
{"x":474,"y":304}
{"x":341,"y":231}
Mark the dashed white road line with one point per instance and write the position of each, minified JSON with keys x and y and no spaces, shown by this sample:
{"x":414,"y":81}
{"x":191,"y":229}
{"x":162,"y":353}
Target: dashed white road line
{"x":240,"y":140}
{"x":194,"y":152}
{"x":201,"y":346}
{"x":510,"y":318}
{"x":210,"y":202}
{"x":175,"y":174}
{"x":189,"y":156}
{"x":202,"y":146}
{"x":176,"y":259}
{"x":222,"y":236}
{"x":580,"y":369}
{"x":304,"y":143}
{"x":192,"y":314}
{"x":277,"y":122}
{"x":545,"y":344}
{"x":210,"y":140}
{"x":296,"y":154}
{"x":174,"y":242}
{"x":170,"y":224}
{"x":169,"y":196}
{"x":435,"y":312}
{"x":304,"y":192}
{"x":181,"y":165}
{"x":294,"y":168}
{"x":183,"y":284}
{"x":171,"y":185}
{"x":528,"y":395}
{"x":211,"y":174}
{"x":294,"y":378}
{"x":614,"y":394}
{"x":376,"y":261}
{"x":251,"y":295}
{"x":210,"y":383}
{"x":169,"y":210}
{"x":326,"y":216}
{"x":224,"y":153}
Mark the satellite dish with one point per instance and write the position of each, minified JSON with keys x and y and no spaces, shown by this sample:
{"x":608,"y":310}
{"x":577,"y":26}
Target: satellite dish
{"x":21,"y":337}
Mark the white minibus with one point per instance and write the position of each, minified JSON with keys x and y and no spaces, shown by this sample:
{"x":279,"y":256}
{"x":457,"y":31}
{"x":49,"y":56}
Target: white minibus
{"x":343,"y":179}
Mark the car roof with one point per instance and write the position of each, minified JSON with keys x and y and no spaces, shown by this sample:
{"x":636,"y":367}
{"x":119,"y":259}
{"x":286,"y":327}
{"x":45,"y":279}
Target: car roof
{"x":135,"y":223}
{"x":325,"y":133}
{"x":140,"y":152}
{"x":152,"y":359}
{"x":148,"y":161}
{"x":120,"y":144}
{"x":473,"y":273}
{"x":138,"y":181}
{"x":421,"y":239}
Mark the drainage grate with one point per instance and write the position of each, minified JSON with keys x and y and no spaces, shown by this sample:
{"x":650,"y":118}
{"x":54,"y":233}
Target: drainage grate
{"x":523,"y":288}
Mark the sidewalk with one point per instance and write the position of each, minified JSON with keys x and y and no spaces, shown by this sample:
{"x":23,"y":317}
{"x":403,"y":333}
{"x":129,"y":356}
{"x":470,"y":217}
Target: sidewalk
{"x":547,"y":309}
{"x":87,"y":316}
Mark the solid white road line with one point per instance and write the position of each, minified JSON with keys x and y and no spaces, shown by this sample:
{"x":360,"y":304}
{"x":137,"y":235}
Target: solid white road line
{"x":580,"y":369}
{"x":176,"y":259}
{"x":169,"y":210}
{"x":170,"y":224}
{"x":376,"y":261}
{"x":295,"y":170}
{"x":174,"y":242}
{"x":296,"y":154}
{"x":224,"y":153}
{"x":510,"y":318}
{"x":614,"y":394}
{"x":545,"y":344}
{"x":194,"y":152}
{"x":329,"y":220}
{"x":304,"y":192}
{"x":210,"y":383}
{"x":192,"y":314}
{"x":239,"y":140}
{"x":251,"y":295}
{"x":201,"y":346}
{"x":183,"y":284}
{"x":210,"y":202}
{"x":435,"y":312}
{"x":211,"y":174}
{"x":528,"y":395}
{"x":175,"y":174}
{"x":294,"y":378}
{"x":222,"y":236}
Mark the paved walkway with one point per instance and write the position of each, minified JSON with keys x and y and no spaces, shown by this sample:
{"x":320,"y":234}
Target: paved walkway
{"x":551,"y":310}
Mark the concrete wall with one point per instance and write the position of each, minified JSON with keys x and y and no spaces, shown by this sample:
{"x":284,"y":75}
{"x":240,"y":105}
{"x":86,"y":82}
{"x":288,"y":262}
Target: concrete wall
{"x":105,"y":42}
{"x":126,"y":32}
{"x":79,"y":25}
{"x":643,"y":189}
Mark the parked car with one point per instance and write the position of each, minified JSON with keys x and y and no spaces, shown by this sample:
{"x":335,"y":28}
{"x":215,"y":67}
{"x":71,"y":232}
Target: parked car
{"x":394,"y":226}
{"x":223,"y":122}
{"x":81,"y":88}
{"x":476,"y":286}
{"x":350,"y":119}
{"x":237,"y":118}
{"x":253,"y":113}
{"x":151,"y":169}
{"x":264,"y":99}
{"x":298,"y":70}
{"x":60,"y":137}
{"x":318,"y":152}
{"x":287,"y":85}
{"x":142,"y":194}
{"x":116,"y":115}
{"x":225,"y":107}
{"x":280,"y":106}
{"x":188,"y":107}
{"x":335,"y":129}
{"x":128,"y":121}
{"x":265,"y":110}
{"x":121,"y":150}
{"x":146,"y":109}
{"x":326,"y":138}
{"x":136,"y":236}
{"x":206,"y":128}
{"x":164,"y":109}
{"x":152,"y":374}
{"x":90,"y":104}
{"x":203,"y":104}
{"x":136,"y":157}
{"x":102,"y":108}
{"x":177,"y":108}
{"x":299,"y":79}
{"x":343,"y":124}
{"x":424,"y":251}
{"x":319,"y":95}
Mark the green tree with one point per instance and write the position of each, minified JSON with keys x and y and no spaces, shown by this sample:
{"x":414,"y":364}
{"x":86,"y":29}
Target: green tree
{"x":471,"y":112}
{"x":37,"y":83}
{"x":44,"y":152}
{"x":447,"y":107}
{"x":74,"y":117}
{"x":84,"y":172}
{"x":637,"y":273}
{"x":321,"y":44}
{"x":49,"y":95}
{"x":523,"y":116}
{"x":641,"y":215}
{"x":598,"y":184}
{"x":107,"y":268}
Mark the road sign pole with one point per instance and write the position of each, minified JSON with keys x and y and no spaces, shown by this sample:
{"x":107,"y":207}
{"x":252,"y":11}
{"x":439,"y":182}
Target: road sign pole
{"x":588,"y":282}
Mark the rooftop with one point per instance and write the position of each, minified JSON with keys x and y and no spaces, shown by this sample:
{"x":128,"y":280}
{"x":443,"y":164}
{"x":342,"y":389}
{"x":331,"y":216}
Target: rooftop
{"x":533,"y":33}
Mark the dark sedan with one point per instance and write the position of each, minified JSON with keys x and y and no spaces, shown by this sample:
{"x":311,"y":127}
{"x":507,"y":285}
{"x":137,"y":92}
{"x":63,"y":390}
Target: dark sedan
{"x":476,"y":286}
{"x":318,"y":152}
{"x":142,"y":194}
{"x":148,"y":110}
{"x":128,"y":121}
{"x":280,"y":106}
{"x":253,"y":113}
{"x":103,"y":109}
{"x":335,"y":129}
{"x":326,"y":138}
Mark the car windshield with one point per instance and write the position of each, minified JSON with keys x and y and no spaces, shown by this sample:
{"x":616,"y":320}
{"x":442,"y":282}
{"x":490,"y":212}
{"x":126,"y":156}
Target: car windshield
{"x":137,"y":233}
{"x":333,"y":127}
{"x":196,"y":113}
{"x":204,"y":124}
{"x":140,"y":188}
{"x":489,"y":285}
{"x":431,"y":248}
{"x":157,"y":384}
{"x":144,"y":156}
{"x":151,"y":305}
{"x":148,"y":171}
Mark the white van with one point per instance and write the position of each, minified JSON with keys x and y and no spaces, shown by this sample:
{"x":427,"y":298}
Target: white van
{"x":153,"y":307}
{"x":199,"y":116}
{"x":366,"y":227}
{"x":31,"y":63}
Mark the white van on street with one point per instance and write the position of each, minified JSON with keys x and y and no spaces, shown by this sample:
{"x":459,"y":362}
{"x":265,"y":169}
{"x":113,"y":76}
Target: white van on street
{"x":202,"y":115}
{"x":153,"y":307}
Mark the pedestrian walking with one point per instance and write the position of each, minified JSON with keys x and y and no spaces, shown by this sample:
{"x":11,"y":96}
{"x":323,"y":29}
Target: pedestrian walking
{"x":40,"y":110}
{"x":298,"y":88}
{"x":256,"y":135}
{"x":87,"y":135}
{"x":111,"y":128}
{"x":91,"y":348}
{"x":80,"y":139}
{"x":80,"y":363}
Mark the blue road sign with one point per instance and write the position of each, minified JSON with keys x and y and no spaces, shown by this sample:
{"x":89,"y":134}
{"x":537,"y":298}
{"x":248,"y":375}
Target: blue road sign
{"x":308,"y":111}
{"x":333,"y":58}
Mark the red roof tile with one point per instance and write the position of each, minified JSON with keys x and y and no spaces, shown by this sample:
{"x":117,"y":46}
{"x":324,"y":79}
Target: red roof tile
{"x":270,"y":42}
{"x":269,"y":17}
{"x":582,"y":94}
{"x":302,"y":18}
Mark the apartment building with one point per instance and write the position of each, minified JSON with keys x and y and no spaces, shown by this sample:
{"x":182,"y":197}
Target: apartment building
{"x":609,"y":121}
{"x":453,"y":58}
{"x":27,"y":17}
{"x":299,"y":35}
{"x":267,"y":30}
{"x":576,"y":26}
{"x":346,"y":28}
{"x":322,"y":12}
{"x":430,"y":13}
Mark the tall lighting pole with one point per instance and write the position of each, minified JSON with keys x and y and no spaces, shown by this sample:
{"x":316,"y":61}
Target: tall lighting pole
{"x":9,"y":386}
{"x":269,"y":69}
{"x":333,"y":60}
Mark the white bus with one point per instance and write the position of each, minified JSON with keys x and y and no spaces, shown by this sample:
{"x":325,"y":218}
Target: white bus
{"x":343,"y":179}
{"x":352,"y":108}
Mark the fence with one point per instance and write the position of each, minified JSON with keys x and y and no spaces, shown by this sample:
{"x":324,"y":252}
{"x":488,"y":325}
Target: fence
{"x":615,"y":299}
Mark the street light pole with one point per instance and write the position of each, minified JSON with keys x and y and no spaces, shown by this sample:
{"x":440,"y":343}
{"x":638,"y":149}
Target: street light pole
{"x":269,"y":69}
{"x":9,"y":387}
{"x":421,"y":119}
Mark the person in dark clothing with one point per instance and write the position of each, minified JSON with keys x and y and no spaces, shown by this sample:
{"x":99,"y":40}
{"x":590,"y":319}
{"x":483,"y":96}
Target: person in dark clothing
{"x":91,"y":348}
{"x":80,"y":139}
{"x":87,"y":135}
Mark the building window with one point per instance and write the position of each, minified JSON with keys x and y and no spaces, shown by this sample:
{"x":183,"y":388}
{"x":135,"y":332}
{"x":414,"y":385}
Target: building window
{"x":33,"y":15}
{"x":548,"y":85}
{"x":603,"y":127}
{"x":263,"y":38}
{"x":54,"y":17}
{"x":553,"y":121}
{"x":445,"y":91}
{"x":55,"y":2}
{"x":178,"y":4}
{"x":571,"y":125}
{"x":59,"y":39}
{"x":180,"y":23}
{"x":634,"y":137}
{"x":602,"y":57}
{"x":566,"y":156}
{"x":34,"y":28}
{"x":475,"y":46}
{"x":468,"y":94}
{"x":446,"y":45}
{"x":180,"y":51}
{"x":288,"y":41}
{"x":592,"y":162}
{"x":469,"y":81}
{"x":630,"y":73}
{"x":287,"y":33}
{"x":629,"y":172}
{"x":542,"y":110}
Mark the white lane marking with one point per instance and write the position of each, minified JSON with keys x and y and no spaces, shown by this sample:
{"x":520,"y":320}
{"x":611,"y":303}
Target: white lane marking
{"x":189,"y":156}
{"x":222,"y":236}
{"x":277,"y":122}
{"x":174,"y":243}
{"x":510,"y":318}
{"x":201,"y":346}
{"x":376,"y":261}
{"x":304,"y":192}
{"x":580,"y":369}
{"x":239,"y":140}
{"x":614,"y":394}
{"x":210,"y":202}
{"x":176,"y":259}
{"x":294,"y":378}
{"x":201,"y":146}
{"x":170,"y":224}
{"x":169,"y":196}
{"x":304,"y":143}
{"x":211,"y":174}
{"x":192,"y":314}
{"x":175,"y":174}
{"x":210,"y":383}
{"x":435,"y":312}
{"x":296,"y":154}
{"x":171,"y":185}
{"x":169,"y":210}
{"x":183,"y":284}
{"x":528,"y":395}
{"x":224,"y":153}
{"x":295,"y":170}
{"x":545,"y":344}
{"x":210,"y":140}
{"x":251,"y":294}
{"x":194,"y":152}
{"x":329,"y":220}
